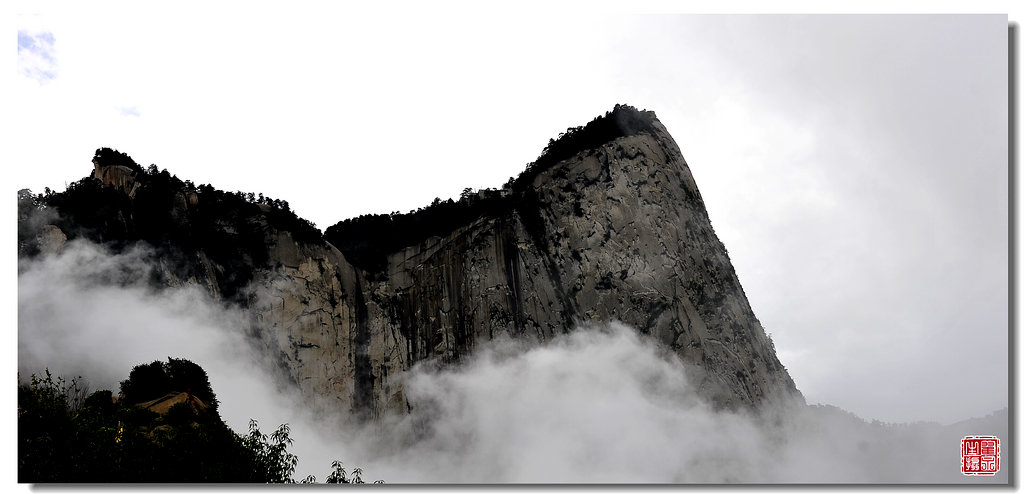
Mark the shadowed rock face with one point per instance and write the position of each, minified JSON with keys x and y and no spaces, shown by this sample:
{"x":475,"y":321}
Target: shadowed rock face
{"x":614,"y":231}
{"x":117,"y":176}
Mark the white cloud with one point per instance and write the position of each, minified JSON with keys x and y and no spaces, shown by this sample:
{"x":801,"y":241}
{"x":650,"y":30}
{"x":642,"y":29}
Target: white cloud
{"x":606,"y":405}
{"x":129,"y":111}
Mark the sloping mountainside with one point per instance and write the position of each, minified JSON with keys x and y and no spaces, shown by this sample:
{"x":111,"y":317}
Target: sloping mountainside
{"x":606,"y":225}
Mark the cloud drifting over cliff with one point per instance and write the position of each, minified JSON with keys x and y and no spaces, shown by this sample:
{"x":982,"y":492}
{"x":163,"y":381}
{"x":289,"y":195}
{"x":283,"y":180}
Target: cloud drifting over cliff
{"x":87,"y":312}
{"x":600,"y":404}
{"x":607,"y":405}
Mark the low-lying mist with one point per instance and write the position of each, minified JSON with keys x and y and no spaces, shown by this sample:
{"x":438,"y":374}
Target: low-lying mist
{"x":598,"y":404}
{"x":87,"y":312}
{"x":603,"y":404}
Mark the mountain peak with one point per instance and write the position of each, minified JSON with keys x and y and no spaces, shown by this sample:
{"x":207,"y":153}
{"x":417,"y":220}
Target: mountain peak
{"x":620,"y":121}
{"x":116,"y":169}
{"x":606,"y":225}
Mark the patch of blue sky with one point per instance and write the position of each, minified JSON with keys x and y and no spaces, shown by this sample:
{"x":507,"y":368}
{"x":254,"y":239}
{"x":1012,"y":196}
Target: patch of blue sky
{"x":36,"y":55}
{"x":40,"y":44}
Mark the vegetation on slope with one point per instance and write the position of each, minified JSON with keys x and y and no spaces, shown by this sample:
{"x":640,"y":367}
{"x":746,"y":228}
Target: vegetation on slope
{"x":176,"y":217}
{"x":231,"y":227}
{"x":366,"y":240}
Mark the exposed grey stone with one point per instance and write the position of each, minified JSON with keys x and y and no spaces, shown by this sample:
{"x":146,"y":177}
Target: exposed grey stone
{"x":619,"y":233}
{"x":615,"y":233}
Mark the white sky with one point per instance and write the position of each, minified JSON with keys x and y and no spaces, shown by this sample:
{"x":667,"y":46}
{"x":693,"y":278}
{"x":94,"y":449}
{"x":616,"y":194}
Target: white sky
{"x":854,"y":166}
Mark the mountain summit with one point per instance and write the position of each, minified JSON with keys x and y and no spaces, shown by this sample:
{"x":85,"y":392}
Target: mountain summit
{"x":606,"y":225}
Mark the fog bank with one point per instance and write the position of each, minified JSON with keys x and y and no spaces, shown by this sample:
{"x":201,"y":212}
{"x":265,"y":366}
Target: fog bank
{"x":598,"y":404}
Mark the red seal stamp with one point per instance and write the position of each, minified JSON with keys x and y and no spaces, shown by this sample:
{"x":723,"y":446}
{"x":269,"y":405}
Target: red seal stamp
{"x":979,"y":455}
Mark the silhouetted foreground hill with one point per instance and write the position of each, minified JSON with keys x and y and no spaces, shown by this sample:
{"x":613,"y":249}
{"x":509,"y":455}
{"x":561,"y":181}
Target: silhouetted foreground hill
{"x":66,"y":436}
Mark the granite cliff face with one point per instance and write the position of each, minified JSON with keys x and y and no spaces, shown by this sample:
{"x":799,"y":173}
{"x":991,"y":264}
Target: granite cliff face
{"x":607,"y":225}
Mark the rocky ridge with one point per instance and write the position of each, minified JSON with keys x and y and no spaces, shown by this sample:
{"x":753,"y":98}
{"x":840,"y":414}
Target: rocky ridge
{"x":611,"y":230}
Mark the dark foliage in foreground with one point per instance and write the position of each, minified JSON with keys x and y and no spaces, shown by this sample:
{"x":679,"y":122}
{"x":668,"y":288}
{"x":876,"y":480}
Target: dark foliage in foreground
{"x":66,"y":436}
{"x":150,"y":381}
